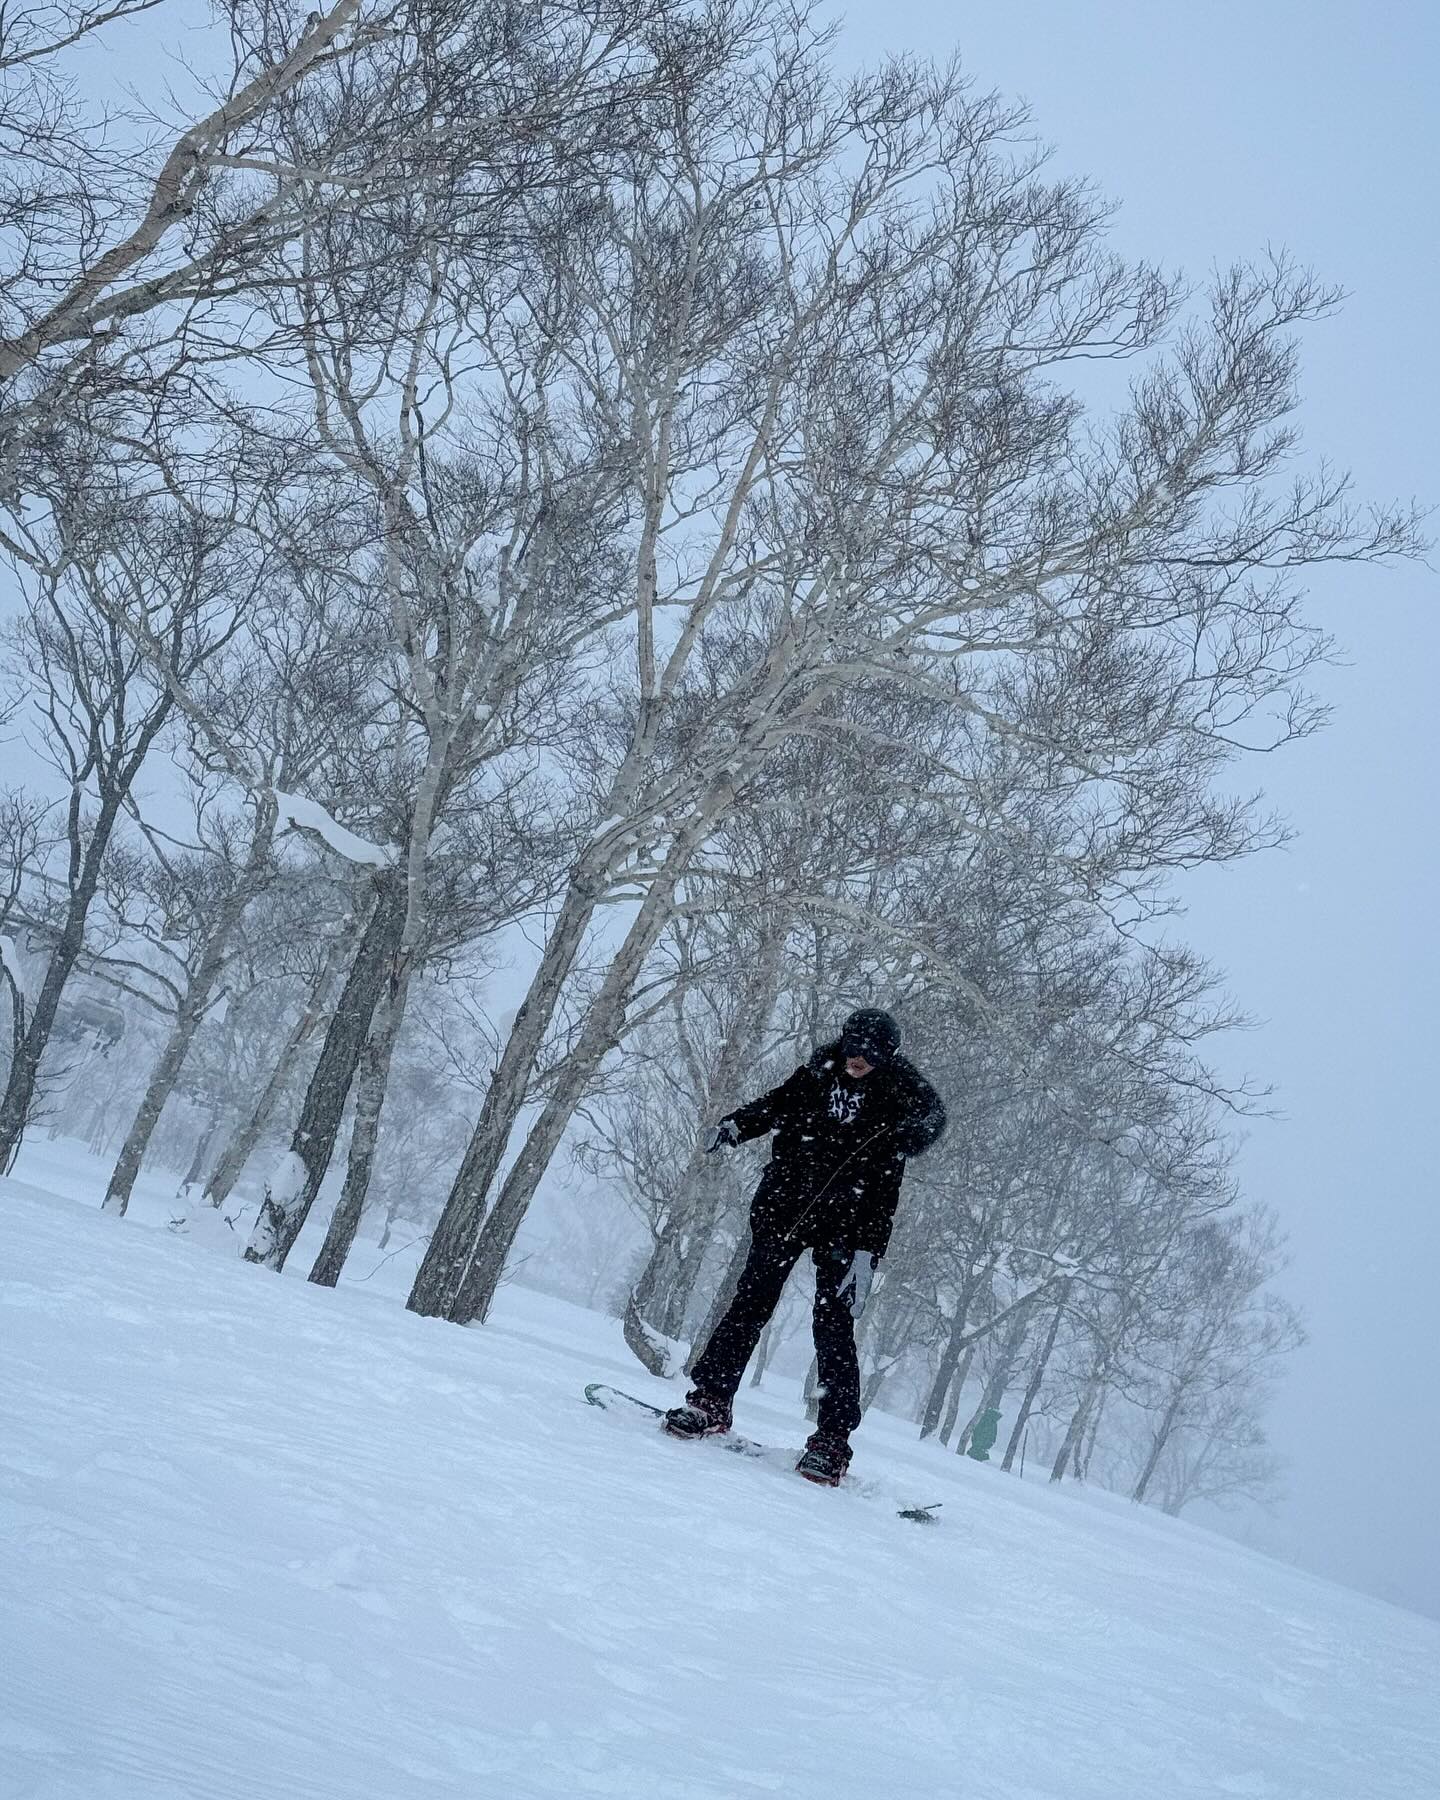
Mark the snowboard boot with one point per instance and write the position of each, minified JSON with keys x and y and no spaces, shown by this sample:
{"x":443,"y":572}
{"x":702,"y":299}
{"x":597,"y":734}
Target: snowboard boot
{"x":824,"y":1459}
{"x":702,"y":1415}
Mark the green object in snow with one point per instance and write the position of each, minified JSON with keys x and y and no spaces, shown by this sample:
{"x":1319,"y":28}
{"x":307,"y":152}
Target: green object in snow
{"x":983,"y":1436}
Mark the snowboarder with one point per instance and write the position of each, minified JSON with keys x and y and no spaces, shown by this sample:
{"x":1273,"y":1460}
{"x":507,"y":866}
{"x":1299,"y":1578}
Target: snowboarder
{"x":845,"y":1124}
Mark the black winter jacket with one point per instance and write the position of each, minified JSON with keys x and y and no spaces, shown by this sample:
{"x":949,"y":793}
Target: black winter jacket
{"x":840,"y":1149}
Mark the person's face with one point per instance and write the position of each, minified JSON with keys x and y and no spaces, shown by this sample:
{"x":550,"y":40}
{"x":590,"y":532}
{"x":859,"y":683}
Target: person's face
{"x":857,"y":1068}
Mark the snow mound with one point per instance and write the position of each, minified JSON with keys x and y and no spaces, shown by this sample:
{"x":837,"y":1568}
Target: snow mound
{"x":212,"y":1226}
{"x":264,"y":1541}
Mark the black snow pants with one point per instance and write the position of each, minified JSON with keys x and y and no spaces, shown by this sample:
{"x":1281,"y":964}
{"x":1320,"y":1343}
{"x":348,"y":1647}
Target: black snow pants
{"x":732,"y":1344}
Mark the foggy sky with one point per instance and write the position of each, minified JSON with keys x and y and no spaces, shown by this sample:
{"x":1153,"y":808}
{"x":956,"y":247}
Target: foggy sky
{"x":1223,"y":128}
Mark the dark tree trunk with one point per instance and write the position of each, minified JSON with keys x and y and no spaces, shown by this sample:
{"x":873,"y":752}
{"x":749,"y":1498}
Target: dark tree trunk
{"x":1092,"y":1432}
{"x":201,"y":1150}
{"x":999,"y":1377}
{"x":604,"y":1028}
{"x":187,"y":1020}
{"x":389,"y":1224}
{"x":763,"y":1352}
{"x":661,"y":1296}
{"x":945,"y":1372}
{"x":1075,"y":1430}
{"x":18,"y":1101}
{"x":812,"y":1391}
{"x":466,"y":1259}
{"x":157,"y":1091}
{"x":243,"y":1140}
{"x":690,"y":1253}
{"x":955,"y":1348}
{"x":454,"y":1244}
{"x":1037,"y":1378}
{"x":1157,"y":1448}
{"x":288,"y":1200}
{"x":667,"y":1284}
{"x":369,"y":1102}
{"x":957,"y":1390}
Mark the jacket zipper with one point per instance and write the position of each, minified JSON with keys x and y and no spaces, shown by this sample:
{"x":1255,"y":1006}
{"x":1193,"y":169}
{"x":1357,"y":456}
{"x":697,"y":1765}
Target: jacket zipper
{"x":833,"y":1173}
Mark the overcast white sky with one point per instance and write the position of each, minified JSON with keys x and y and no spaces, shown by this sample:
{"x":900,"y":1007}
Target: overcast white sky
{"x":1223,"y":128}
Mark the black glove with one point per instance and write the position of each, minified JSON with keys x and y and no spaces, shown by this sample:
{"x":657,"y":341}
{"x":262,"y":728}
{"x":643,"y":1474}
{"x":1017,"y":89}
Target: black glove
{"x":857,"y":1280}
{"x":727,"y":1136}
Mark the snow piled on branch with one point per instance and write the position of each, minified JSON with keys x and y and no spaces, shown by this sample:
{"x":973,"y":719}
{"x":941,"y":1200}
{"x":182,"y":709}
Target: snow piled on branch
{"x":309,"y":815}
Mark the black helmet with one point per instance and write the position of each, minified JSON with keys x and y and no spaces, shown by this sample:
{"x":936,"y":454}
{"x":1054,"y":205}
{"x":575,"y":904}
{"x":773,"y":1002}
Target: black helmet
{"x":870,"y":1033}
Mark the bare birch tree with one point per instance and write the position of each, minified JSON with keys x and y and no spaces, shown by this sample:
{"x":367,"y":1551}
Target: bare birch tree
{"x":1225,"y":1326}
{"x":99,"y":708}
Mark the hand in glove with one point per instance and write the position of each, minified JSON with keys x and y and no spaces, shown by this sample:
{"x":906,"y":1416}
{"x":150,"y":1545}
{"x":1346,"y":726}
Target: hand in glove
{"x":727,"y":1136}
{"x":856,"y":1280}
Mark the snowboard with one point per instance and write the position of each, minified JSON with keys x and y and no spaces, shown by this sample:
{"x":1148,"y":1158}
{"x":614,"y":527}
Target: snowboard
{"x":611,"y":1399}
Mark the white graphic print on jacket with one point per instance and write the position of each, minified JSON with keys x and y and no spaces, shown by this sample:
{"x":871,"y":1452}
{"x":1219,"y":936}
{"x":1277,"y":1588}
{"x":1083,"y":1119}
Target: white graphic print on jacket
{"x":844,"y":1104}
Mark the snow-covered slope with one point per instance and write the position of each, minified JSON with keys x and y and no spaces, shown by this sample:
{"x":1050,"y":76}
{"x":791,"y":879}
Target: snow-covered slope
{"x":268,"y":1542}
